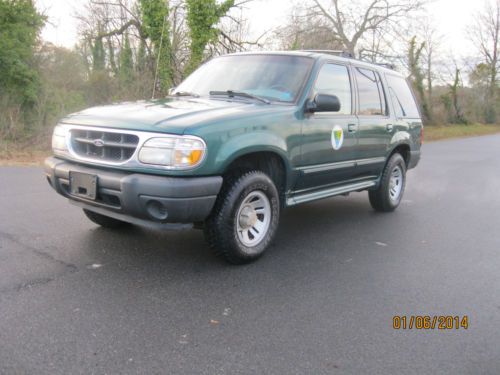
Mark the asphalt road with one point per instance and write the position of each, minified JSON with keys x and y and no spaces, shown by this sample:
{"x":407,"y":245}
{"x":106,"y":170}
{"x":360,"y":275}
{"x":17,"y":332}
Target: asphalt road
{"x":77,"y":299}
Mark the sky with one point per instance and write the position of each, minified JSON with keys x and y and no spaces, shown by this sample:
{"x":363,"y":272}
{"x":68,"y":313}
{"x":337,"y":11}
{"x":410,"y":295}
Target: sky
{"x":451,"y":20}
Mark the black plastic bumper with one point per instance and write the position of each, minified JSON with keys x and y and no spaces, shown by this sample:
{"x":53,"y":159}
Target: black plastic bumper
{"x":139,"y":198}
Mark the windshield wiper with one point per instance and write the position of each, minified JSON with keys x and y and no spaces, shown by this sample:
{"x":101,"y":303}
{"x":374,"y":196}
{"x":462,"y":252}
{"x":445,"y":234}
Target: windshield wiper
{"x":186,"y":93}
{"x":242,"y":94}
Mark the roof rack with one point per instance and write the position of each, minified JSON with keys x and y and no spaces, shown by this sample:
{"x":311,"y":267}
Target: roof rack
{"x":340,"y":53}
{"x":348,"y":55}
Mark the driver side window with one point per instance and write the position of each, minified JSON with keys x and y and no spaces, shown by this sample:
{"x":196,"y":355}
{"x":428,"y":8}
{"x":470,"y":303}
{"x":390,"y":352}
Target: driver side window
{"x":334,"y":79}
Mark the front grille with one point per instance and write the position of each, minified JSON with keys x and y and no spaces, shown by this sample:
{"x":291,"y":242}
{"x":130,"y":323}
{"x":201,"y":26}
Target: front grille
{"x":104,"y":146}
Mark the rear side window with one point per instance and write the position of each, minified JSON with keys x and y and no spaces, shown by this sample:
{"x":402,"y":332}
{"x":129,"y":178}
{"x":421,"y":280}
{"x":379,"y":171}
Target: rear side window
{"x":371,"y":94}
{"x":334,"y":80}
{"x":402,"y":97}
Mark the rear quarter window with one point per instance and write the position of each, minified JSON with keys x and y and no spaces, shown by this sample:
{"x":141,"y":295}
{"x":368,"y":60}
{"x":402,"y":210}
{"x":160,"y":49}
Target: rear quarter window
{"x":402,"y":97}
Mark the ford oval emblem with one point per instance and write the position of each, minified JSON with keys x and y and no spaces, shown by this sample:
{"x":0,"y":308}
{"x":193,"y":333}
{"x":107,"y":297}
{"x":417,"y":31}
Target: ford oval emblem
{"x":98,"y":142}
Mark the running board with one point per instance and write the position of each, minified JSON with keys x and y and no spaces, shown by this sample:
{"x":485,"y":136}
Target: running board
{"x":292,"y":201}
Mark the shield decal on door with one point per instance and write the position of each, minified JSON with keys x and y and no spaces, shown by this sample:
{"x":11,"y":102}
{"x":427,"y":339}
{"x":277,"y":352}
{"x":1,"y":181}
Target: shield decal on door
{"x":337,"y":137}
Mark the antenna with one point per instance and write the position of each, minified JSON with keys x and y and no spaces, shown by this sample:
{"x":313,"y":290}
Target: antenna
{"x":158,"y":58}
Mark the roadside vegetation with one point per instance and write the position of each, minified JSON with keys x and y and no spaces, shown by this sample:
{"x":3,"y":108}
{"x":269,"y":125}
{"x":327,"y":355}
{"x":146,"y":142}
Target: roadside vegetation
{"x":436,"y":133}
{"x":137,"y":49}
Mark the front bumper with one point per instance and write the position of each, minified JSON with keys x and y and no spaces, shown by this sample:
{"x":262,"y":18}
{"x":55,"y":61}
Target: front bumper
{"x":139,"y":198}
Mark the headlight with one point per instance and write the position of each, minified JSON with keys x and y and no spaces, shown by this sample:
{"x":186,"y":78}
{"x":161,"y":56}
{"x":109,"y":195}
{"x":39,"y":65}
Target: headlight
{"x":59,"y":137}
{"x":173,"y":152}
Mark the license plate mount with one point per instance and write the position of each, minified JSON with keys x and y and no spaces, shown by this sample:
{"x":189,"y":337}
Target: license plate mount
{"x":83,"y":185}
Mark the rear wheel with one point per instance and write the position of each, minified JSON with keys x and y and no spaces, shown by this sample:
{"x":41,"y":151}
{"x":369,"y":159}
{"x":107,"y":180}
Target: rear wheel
{"x":245,"y":217}
{"x":392,"y":185}
{"x":104,"y":221}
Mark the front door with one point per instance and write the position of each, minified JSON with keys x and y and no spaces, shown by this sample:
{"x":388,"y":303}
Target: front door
{"x":329,"y":139}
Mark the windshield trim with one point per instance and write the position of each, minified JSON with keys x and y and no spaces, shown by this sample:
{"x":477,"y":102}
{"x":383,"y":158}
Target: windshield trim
{"x":300,"y":92}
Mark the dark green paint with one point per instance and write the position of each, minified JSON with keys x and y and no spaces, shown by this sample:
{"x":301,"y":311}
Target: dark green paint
{"x":234,"y":128}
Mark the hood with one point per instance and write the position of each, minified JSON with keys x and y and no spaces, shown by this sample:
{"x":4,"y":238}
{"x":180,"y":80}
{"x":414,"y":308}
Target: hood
{"x":170,"y":115}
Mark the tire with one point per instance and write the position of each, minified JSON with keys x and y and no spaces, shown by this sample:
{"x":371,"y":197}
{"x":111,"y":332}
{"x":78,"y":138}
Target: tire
{"x":245,"y":217}
{"x":104,"y":221}
{"x":392,"y":185}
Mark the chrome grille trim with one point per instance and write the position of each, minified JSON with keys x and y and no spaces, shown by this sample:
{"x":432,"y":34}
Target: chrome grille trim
{"x":133,"y":161}
{"x":103,"y":145}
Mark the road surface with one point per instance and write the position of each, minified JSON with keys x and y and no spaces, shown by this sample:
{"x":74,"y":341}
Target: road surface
{"x":77,"y":299}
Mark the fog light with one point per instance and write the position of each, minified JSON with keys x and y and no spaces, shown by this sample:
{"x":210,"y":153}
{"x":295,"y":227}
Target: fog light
{"x":156,"y":210}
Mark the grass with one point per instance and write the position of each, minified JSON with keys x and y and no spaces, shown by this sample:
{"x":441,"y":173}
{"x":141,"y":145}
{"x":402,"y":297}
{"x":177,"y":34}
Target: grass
{"x":35,"y":151}
{"x":24,"y":153}
{"x":435,"y":133}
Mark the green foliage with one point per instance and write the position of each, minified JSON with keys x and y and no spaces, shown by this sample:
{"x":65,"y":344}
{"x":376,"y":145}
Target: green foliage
{"x":141,"y":57}
{"x":153,"y":15}
{"x":41,"y":84}
{"x":98,"y":55}
{"x":490,"y":115}
{"x":414,"y":63}
{"x":126,"y":62}
{"x":295,"y":45}
{"x":111,"y":56}
{"x":202,"y":17}
{"x":480,"y":75}
{"x":480,"y":79}
{"x":62,"y":86}
{"x":155,"y":53}
{"x":155,"y":26}
{"x":451,"y":101}
{"x":100,"y":88}
{"x":20,"y":24}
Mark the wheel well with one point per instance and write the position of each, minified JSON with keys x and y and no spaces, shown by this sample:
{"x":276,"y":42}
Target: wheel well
{"x":268,"y":162}
{"x":404,"y":150}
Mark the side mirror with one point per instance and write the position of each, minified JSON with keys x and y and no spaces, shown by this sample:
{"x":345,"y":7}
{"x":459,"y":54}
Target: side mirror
{"x":171,"y":91}
{"x":324,"y":103}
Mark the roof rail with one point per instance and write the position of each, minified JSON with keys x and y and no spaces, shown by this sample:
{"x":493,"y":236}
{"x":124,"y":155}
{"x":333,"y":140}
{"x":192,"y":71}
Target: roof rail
{"x":340,"y":53}
{"x":387,"y":65}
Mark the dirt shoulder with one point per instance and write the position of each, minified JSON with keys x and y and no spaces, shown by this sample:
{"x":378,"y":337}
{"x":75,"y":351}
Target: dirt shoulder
{"x":436,"y":133}
{"x":28,"y":153}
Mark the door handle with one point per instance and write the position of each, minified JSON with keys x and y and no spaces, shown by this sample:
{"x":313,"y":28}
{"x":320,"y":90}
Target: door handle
{"x":389,"y":127}
{"x":351,"y":128}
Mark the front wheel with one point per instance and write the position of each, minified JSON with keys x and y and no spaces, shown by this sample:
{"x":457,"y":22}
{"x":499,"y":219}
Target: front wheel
{"x":245,"y":217}
{"x":392,"y":185}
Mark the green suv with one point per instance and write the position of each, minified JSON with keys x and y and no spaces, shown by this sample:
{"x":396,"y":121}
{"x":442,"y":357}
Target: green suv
{"x":243,"y":137}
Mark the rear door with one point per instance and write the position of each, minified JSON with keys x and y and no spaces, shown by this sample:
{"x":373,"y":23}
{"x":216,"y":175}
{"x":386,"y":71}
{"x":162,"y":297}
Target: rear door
{"x":375,"y":125}
{"x":406,"y":115}
{"x":329,"y":139}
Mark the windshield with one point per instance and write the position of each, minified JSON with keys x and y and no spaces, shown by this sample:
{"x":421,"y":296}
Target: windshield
{"x":273,"y":77}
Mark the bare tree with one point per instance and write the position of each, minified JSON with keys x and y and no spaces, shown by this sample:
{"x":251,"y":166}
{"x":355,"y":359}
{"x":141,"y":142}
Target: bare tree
{"x":486,"y":36}
{"x":417,"y":75}
{"x":457,"y":115}
{"x":423,"y":63}
{"x":353,"y":22}
{"x":431,"y":49}
{"x":305,"y":30}
{"x":234,"y":31}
